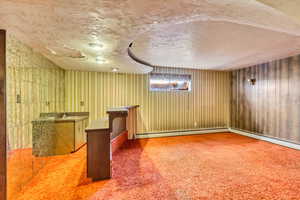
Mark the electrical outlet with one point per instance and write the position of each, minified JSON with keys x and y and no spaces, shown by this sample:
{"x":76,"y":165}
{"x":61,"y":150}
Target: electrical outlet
{"x":195,"y":124}
{"x":18,"y":98}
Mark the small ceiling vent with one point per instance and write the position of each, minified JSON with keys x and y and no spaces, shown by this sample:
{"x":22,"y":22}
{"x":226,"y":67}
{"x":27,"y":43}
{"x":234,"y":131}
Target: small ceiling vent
{"x":66,"y":51}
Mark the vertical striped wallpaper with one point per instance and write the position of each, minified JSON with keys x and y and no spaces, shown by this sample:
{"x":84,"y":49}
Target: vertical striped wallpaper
{"x":206,"y":106}
{"x":272,"y":106}
{"x":37,"y":81}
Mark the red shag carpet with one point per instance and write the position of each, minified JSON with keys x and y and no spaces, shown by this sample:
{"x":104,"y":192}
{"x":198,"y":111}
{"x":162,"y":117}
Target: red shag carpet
{"x":202,"y":167}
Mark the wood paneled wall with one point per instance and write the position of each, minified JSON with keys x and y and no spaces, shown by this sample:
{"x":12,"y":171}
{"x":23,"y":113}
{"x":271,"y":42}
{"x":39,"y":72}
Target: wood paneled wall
{"x":2,"y":115}
{"x":206,"y":106}
{"x":272,"y":106}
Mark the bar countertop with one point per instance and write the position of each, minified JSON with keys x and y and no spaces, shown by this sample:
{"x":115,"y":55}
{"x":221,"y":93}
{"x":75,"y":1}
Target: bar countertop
{"x":121,"y":109}
{"x":61,"y":119}
{"x":98,"y":125}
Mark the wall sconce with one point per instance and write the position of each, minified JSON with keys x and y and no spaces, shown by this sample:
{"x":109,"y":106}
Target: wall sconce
{"x":252,"y":81}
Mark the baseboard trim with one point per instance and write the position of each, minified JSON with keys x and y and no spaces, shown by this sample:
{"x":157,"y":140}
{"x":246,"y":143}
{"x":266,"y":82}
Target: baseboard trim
{"x":181,"y":133}
{"x":219,"y":130}
{"x":265,"y":138}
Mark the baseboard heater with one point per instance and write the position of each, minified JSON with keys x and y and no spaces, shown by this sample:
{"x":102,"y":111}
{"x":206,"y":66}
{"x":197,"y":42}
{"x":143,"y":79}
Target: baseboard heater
{"x":220,"y":130}
{"x":181,"y":132}
{"x":266,"y":138}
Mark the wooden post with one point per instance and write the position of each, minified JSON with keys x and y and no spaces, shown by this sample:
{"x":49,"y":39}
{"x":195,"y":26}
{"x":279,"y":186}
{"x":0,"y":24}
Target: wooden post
{"x":131,"y":122}
{"x":2,"y":115}
{"x":98,"y":154}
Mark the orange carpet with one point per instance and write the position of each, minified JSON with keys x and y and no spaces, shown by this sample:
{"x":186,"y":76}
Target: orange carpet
{"x":202,"y":167}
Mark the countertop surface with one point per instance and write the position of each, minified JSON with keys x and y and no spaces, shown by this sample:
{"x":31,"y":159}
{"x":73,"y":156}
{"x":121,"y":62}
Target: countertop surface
{"x":122,"y":109}
{"x":61,"y":119}
{"x":98,"y":125}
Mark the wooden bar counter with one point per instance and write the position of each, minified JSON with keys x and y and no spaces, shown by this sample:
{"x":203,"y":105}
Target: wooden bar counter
{"x":98,"y":150}
{"x":104,"y":137}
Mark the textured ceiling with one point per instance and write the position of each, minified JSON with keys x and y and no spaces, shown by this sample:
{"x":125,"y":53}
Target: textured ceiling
{"x":213,"y":45}
{"x":209,"y":34}
{"x":288,"y":7}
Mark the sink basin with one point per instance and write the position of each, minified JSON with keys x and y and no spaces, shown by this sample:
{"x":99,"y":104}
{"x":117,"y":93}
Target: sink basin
{"x":50,"y":118}
{"x":67,"y":117}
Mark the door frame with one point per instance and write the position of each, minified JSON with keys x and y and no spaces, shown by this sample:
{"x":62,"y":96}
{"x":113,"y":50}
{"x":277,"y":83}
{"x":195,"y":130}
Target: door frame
{"x":3,"y":144}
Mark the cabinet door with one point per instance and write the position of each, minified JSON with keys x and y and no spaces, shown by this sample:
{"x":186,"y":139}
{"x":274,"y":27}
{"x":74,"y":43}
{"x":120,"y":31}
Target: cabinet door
{"x":85,"y":124}
{"x":78,"y":134}
{"x":64,"y":138}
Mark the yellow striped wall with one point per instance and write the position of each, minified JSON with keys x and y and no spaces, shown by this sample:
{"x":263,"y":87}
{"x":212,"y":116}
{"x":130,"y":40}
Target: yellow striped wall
{"x":207,"y":106}
{"x":38,"y":81}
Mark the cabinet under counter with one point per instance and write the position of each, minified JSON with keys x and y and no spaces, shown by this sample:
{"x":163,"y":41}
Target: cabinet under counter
{"x":58,"y":135}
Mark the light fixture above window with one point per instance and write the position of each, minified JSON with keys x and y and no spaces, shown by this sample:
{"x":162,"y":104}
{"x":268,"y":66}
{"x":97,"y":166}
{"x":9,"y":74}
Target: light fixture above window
{"x":114,"y":69}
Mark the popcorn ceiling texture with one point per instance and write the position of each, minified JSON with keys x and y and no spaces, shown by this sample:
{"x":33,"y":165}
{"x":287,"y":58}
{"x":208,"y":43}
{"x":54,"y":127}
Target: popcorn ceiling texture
{"x":290,"y":8}
{"x":213,"y":45}
{"x":38,"y":81}
{"x":66,"y":27}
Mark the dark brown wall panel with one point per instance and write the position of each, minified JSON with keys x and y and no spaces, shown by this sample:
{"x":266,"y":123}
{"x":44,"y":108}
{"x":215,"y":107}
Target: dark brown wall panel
{"x":272,"y":106}
{"x":2,"y":117}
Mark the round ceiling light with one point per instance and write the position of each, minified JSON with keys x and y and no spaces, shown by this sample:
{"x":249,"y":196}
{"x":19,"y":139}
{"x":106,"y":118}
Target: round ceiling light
{"x":96,"y":46}
{"x":101,"y":60}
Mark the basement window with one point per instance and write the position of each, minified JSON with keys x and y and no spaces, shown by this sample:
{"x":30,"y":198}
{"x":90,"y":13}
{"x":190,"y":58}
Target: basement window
{"x":170,"y":82}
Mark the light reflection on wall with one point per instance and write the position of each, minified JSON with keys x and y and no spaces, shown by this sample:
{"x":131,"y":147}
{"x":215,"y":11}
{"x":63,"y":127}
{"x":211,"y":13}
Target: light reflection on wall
{"x":34,"y":85}
{"x":170,"y":82}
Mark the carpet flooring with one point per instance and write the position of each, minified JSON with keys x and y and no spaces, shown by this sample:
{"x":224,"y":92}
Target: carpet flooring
{"x":202,"y":167}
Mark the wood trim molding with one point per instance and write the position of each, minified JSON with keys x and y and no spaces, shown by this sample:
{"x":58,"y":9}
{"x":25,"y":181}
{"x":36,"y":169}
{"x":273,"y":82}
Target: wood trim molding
{"x":3,"y":178}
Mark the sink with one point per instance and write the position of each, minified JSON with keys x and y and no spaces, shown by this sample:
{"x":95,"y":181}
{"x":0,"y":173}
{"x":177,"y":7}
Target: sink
{"x":50,"y":118}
